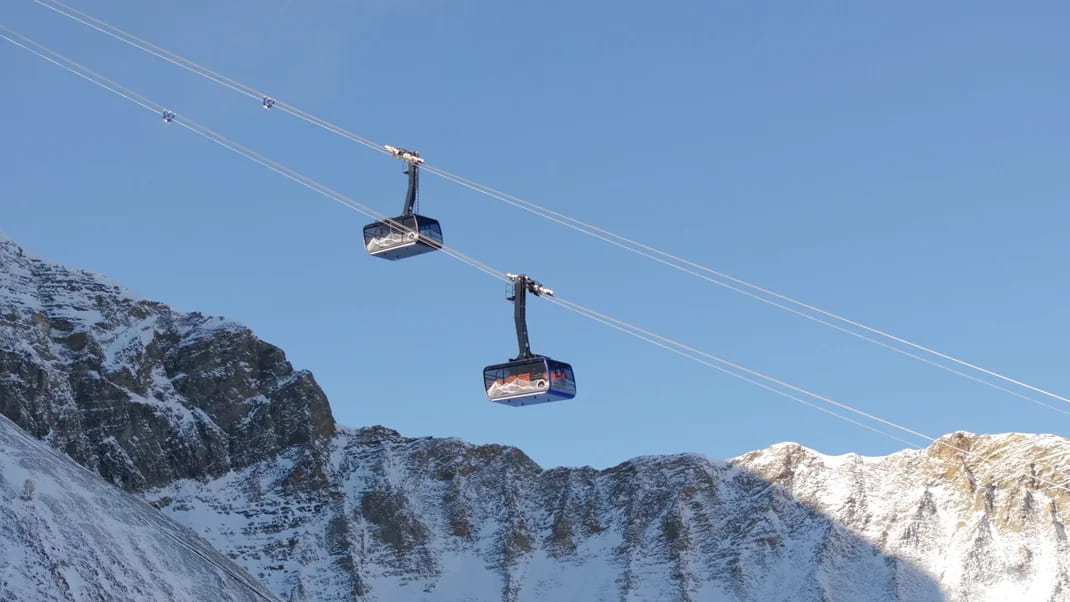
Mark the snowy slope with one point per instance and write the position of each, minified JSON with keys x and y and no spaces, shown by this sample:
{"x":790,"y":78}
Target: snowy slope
{"x":216,"y":428}
{"x":68,"y":535}
{"x":437,"y":519}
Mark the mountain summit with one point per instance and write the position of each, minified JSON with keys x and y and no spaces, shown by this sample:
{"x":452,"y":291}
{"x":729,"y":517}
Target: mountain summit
{"x":139,"y":392}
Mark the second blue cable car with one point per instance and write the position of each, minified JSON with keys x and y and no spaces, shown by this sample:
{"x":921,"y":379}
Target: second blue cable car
{"x":528,"y":379}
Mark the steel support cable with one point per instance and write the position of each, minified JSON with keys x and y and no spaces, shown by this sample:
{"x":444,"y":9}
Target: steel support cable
{"x":132,"y":98}
{"x":324,"y":190}
{"x":195,"y":68}
{"x":685,"y":350}
{"x":667,"y":259}
{"x":237,"y":86}
{"x":327,"y":192}
{"x":141,"y":101}
{"x":575,"y":307}
{"x":580,"y":308}
{"x":682,"y":352}
{"x":787,"y":308}
{"x":150,"y":48}
{"x":581,"y":226}
{"x":203,"y":131}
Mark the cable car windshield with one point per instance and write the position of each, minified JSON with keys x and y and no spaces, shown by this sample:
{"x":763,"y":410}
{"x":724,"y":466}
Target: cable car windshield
{"x":524,"y":377}
{"x":561,"y":378}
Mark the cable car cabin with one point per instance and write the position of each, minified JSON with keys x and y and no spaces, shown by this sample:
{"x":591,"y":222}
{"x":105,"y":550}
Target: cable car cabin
{"x":523,"y":382}
{"x":403,"y":237}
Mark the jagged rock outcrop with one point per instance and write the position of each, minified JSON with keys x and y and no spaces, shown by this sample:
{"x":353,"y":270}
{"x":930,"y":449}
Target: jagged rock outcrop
{"x":137,"y":391}
{"x":66,"y":535}
{"x":215,"y":428}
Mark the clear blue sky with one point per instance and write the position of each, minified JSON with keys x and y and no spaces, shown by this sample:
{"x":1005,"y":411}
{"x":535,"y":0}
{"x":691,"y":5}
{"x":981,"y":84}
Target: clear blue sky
{"x":905,"y":166}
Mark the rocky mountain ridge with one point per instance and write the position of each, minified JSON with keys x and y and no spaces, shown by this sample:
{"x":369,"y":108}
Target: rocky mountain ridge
{"x":137,"y":391}
{"x":400,"y":518}
{"x":216,"y":429}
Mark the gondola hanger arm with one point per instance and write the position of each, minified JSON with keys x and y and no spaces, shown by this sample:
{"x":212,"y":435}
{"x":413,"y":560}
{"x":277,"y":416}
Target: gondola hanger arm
{"x":408,"y":156}
{"x":535,"y":287}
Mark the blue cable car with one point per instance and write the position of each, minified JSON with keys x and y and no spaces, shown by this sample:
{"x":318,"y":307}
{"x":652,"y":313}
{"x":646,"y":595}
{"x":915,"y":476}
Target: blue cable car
{"x":410,"y":233}
{"x":526,"y":382}
{"x":403,"y":236}
{"x":528,"y":379}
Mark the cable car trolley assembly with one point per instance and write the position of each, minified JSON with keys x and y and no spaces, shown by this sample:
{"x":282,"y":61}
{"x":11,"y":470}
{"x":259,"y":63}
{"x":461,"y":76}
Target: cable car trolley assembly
{"x":408,"y":234}
{"x":528,"y":379}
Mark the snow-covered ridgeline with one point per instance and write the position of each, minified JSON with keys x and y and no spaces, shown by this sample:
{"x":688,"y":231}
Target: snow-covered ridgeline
{"x":395,"y":518}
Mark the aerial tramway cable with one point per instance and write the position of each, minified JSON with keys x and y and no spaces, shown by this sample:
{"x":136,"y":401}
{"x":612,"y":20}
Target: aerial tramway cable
{"x":671,"y":260}
{"x":719,"y":364}
{"x":646,"y":335}
{"x":198,"y":69}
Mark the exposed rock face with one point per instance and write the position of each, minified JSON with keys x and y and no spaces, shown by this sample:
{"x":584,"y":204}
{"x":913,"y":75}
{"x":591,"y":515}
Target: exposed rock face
{"x":66,"y":535}
{"x":137,"y":391}
{"x":217,"y":430}
{"x":438,"y":519}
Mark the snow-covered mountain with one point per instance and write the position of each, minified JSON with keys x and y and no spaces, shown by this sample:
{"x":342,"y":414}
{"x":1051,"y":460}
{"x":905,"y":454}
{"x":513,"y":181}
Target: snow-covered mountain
{"x":438,"y":519}
{"x":136,"y":391}
{"x":216,"y":429}
{"x":66,"y":534}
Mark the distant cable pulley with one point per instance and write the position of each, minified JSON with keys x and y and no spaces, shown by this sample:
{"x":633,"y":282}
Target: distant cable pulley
{"x":168,"y":116}
{"x":409,"y":233}
{"x":528,"y":378}
{"x":268,"y":102}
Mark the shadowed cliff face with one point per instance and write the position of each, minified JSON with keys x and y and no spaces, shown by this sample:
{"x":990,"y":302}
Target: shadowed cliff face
{"x":141,"y":393}
{"x":218,"y":431}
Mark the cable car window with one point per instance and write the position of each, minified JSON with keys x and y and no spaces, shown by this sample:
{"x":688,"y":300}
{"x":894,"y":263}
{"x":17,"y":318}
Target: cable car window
{"x":389,"y":234}
{"x":516,"y":378}
{"x":432,"y":230}
{"x":562,"y":378}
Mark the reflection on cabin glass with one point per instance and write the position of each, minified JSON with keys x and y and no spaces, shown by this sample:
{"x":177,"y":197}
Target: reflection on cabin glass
{"x":402,"y":236}
{"x":529,"y":381}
